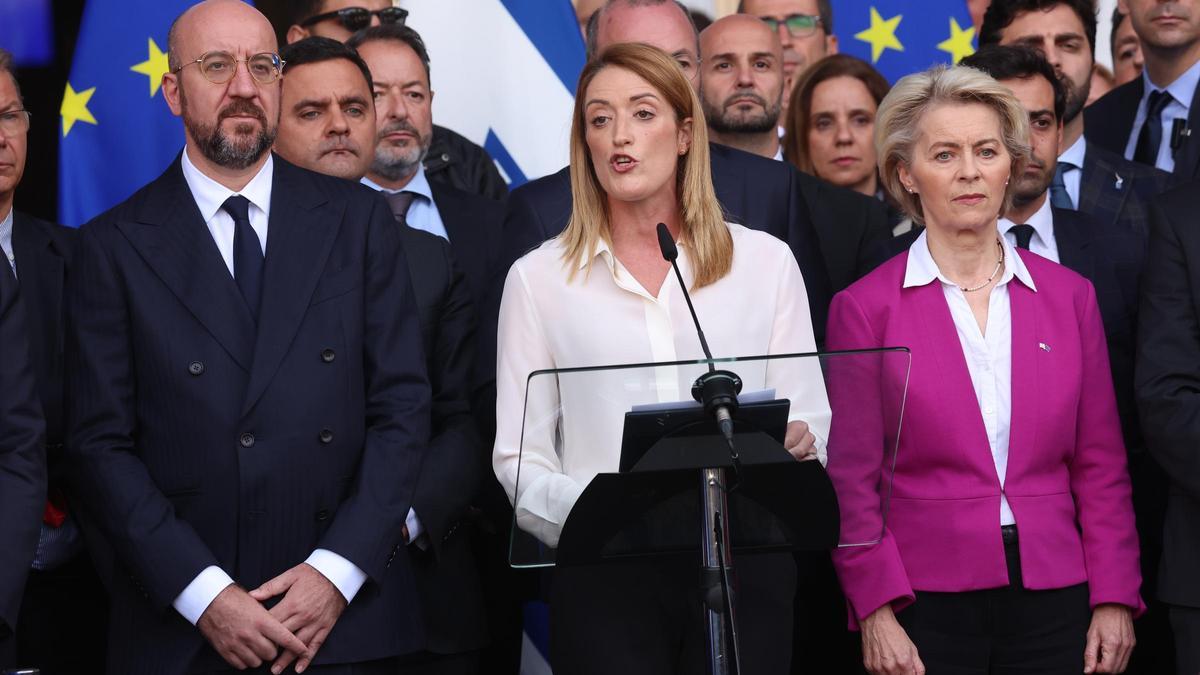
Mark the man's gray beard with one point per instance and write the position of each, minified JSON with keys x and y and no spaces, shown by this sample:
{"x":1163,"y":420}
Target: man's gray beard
{"x":758,"y":124}
{"x":218,"y":148}
{"x":396,"y":168}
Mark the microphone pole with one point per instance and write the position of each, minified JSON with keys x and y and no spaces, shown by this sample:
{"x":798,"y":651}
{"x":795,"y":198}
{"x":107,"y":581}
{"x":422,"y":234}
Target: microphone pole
{"x":717,"y":390}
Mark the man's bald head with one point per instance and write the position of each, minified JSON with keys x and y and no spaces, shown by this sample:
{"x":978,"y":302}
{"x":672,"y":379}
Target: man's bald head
{"x":741,"y":83}
{"x":222,"y":12}
{"x":665,"y":24}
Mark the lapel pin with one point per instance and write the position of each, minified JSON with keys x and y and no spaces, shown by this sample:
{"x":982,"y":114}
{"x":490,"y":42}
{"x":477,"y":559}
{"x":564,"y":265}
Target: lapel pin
{"x":1043,"y":346}
{"x":1119,"y":181}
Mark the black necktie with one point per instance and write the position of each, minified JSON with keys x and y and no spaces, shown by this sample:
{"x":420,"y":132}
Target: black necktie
{"x":247,"y":253}
{"x":1150,"y":137}
{"x":1023,"y":233}
{"x":400,"y":203}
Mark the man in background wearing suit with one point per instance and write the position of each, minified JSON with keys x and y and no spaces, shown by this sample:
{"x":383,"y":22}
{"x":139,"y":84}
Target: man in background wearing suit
{"x":22,"y":430}
{"x":1168,"y":393}
{"x":63,"y":596}
{"x":1152,"y":119}
{"x":1089,"y":178}
{"x":1112,"y":259}
{"x":248,"y":404}
{"x":328,"y":126}
{"x":452,"y":160}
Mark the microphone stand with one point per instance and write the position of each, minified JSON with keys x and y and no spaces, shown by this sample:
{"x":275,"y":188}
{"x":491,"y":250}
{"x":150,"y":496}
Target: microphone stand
{"x":717,"y":390}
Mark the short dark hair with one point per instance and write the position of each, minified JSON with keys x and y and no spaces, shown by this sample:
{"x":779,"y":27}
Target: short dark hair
{"x":593,"y":24}
{"x":302,"y":10}
{"x":315,"y":49}
{"x":1018,"y":63}
{"x":1117,"y":17}
{"x":1001,"y":13}
{"x":395,"y":33}
{"x":6,"y":66}
{"x":824,"y":10}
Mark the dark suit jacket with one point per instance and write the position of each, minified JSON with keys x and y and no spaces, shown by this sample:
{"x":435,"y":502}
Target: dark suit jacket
{"x":1117,"y":191}
{"x":1168,"y":381}
{"x":43,"y":251}
{"x":198,"y":439}
{"x":22,"y":458}
{"x":1112,"y":258}
{"x":836,"y":235}
{"x":447,"y":577}
{"x":454,"y":161}
{"x":1109,"y":121}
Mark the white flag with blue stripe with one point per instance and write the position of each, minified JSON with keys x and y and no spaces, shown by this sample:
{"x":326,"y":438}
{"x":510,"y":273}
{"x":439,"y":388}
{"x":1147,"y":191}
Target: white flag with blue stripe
{"x":504,"y":74}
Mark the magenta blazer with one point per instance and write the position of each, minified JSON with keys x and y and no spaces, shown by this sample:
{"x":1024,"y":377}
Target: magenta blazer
{"x":1067,"y":482}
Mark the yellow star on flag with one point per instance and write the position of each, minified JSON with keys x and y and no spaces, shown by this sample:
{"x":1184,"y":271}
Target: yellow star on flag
{"x":74,"y":108}
{"x":881,"y":35}
{"x":153,"y":67}
{"x":958,"y":45}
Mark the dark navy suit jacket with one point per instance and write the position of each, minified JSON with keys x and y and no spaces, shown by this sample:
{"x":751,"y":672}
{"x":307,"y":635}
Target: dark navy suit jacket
{"x":198,"y":438}
{"x":1109,"y":122}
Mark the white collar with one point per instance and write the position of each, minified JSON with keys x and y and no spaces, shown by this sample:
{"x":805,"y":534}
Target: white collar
{"x":921,"y":268}
{"x":211,"y":195}
{"x":1075,"y":154}
{"x":1042,"y":221}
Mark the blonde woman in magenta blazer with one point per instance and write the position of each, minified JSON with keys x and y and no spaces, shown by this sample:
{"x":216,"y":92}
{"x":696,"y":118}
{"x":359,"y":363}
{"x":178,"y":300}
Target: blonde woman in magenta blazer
{"x":1009,"y":543}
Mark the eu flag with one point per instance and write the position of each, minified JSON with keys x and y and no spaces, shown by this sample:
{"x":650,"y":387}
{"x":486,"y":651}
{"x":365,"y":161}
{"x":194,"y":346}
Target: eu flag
{"x":900,"y":37}
{"x":117,"y":132}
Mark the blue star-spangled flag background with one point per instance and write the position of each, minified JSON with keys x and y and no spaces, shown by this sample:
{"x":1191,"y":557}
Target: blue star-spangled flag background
{"x":117,"y":133}
{"x":900,"y":37}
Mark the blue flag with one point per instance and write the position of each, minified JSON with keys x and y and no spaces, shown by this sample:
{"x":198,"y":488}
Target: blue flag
{"x":900,"y":37}
{"x":117,"y":132}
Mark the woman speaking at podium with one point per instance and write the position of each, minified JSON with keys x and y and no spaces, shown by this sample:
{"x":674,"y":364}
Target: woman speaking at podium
{"x":601,"y":293}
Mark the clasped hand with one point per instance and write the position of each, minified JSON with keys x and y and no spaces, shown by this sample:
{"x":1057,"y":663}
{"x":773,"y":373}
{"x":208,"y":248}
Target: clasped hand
{"x":247,"y":635}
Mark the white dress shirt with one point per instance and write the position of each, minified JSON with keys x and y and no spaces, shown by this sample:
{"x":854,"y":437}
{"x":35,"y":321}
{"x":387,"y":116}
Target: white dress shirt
{"x":6,"y":243}
{"x":1073,"y":175}
{"x":422,"y":213}
{"x":1043,"y":242}
{"x":988,"y":354}
{"x":604,"y":316}
{"x":209,"y":196}
{"x":1181,"y":90}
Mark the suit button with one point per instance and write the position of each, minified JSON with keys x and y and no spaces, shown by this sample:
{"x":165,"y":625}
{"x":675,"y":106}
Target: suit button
{"x":328,"y":355}
{"x":322,"y":515}
{"x":196,"y":368}
{"x":246,"y":440}
{"x":326,"y":436}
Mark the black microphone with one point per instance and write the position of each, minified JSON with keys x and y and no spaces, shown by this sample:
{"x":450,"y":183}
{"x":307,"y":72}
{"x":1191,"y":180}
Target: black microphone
{"x":716,"y":389}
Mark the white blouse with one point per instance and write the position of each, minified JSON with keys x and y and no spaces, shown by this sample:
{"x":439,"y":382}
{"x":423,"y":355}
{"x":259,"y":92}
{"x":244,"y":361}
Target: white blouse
{"x":603,"y":316}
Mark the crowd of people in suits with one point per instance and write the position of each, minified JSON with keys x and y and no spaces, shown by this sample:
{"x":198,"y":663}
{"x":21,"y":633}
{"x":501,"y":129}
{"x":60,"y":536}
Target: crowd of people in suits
{"x":266,"y":413}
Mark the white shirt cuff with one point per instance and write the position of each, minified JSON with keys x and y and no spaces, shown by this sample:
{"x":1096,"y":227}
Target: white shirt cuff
{"x":199,"y":594}
{"x":414,"y":526}
{"x":340,"y":572}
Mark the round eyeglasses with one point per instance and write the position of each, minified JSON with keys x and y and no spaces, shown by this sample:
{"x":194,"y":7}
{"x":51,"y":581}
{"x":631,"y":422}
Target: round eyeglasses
{"x":220,"y":67}
{"x":13,"y":122}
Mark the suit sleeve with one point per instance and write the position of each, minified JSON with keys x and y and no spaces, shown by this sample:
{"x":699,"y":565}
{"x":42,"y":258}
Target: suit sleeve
{"x":452,"y":470}
{"x":870,"y":567}
{"x":802,"y":238}
{"x":367,"y":529}
{"x":1167,"y":371}
{"x":875,"y":245}
{"x":162,"y":553}
{"x":1099,"y":475}
{"x":22,"y":456}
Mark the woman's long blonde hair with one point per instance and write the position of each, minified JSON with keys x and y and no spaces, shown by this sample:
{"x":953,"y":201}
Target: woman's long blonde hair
{"x":703,"y":231}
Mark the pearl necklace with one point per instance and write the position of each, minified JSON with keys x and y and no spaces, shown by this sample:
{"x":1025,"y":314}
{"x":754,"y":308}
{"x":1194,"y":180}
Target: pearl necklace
{"x":999,"y":264}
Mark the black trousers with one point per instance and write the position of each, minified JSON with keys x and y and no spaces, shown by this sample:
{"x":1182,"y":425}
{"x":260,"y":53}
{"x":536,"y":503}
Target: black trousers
{"x":1185,"y":622}
{"x":646,"y":618}
{"x":63,"y":606}
{"x":1001,"y":631}
{"x":380,"y":667}
{"x":428,"y":663}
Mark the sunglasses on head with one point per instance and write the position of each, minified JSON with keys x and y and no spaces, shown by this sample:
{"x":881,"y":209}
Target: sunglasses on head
{"x":355,"y":19}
